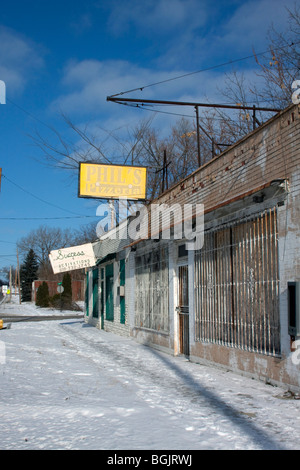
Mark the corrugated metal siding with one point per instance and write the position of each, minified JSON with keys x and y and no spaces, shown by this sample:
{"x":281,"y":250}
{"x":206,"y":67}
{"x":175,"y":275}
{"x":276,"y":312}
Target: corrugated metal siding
{"x":237,"y":286}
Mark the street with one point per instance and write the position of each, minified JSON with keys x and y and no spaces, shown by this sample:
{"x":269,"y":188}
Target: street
{"x":66,"y":385}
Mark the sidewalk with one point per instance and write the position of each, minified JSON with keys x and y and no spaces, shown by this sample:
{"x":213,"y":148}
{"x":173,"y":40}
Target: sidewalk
{"x":66,"y":385}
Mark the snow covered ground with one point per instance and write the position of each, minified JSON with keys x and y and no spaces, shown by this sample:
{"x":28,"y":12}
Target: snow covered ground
{"x":66,"y":385}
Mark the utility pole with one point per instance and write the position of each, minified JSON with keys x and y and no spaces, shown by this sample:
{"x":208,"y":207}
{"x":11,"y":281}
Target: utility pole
{"x":112,"y":213}
{"x":164,"y":169}
{"x":10,"y":283}
{"x":18,"y":277}
{"x":198,"y":136}
{"x":164,"y":172}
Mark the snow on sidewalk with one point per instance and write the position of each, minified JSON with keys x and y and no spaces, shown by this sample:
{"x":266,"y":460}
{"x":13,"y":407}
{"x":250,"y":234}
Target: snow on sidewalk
{"x":12,"y":306}
{"x":66,"y":385}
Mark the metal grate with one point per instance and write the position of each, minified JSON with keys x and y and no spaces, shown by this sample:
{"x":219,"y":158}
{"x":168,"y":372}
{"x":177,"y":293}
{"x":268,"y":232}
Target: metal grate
{"x":237,"y":285}
{"x":152,"y":290}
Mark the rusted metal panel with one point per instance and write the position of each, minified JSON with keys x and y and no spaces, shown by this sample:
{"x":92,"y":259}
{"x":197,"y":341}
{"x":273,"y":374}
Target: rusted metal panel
{"x":237,"y":285}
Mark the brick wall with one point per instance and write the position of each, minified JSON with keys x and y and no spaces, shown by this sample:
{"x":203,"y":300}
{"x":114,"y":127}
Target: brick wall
{"x":77,"y":289}
{"x":270,"y":152}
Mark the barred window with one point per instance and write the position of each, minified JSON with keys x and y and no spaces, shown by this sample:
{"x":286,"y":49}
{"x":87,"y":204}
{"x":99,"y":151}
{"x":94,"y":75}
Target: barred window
{"x":152,"y":290}
{"x":237,"y":285}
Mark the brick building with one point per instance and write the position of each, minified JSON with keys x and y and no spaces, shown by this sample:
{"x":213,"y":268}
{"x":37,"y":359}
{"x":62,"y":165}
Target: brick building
{"x":226,"y":303}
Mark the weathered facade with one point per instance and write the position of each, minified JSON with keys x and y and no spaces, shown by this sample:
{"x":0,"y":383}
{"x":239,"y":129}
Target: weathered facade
{"x":108,"y":284}
{"x":225,"y":303}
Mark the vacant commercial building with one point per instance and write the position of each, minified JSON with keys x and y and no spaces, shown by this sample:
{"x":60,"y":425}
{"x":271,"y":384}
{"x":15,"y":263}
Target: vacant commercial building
{"x":234,"y":301}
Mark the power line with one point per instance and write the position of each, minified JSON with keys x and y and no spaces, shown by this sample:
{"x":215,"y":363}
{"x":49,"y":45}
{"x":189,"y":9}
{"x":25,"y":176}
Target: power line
{"x":29,"y":114}
{"x":48,"y":218}
{"x":153,"y":109}
{"x":38,"y":198}
{"x":202,"y":70}
{"x":7,"y":255}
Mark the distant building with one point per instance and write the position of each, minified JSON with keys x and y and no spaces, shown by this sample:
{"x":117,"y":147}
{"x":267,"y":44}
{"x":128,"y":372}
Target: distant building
{"x":77,"y":289}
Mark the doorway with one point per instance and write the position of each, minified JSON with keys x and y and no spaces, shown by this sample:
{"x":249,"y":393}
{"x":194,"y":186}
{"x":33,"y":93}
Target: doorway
{"x":95,"y":310}
{"x":109,"y":292}
{"x":183,"y":310}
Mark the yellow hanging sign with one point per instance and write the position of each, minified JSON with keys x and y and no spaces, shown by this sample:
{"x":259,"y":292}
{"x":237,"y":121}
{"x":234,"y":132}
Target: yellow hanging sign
{"x":112,"y":181}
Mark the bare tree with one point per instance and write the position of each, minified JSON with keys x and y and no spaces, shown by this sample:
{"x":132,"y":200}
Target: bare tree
{"x":280,"y":67}
{"x":85,"y":234}
{"x":7,"y":270}
{"x":42,"y":241}
{"x":92,"y":144}
{"x":170,"y":159}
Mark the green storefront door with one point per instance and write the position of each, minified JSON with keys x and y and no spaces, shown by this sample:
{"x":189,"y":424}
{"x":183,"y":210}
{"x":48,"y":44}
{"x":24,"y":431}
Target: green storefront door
{"x":109,"y":292}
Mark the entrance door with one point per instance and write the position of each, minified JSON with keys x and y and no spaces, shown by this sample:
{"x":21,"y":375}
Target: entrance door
{"x":109,"y":292}
{"x":95,"y":293}
{"x":183,"y":310}
{"x":122,"y":297}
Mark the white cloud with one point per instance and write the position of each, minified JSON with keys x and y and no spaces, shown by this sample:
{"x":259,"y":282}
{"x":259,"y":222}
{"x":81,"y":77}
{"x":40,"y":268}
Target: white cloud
{"x":87,"y":84}
{"x":159,"y":17}
{"x":248,"y":27}
{"x":19,"y":59}
{"x":186,"y":32}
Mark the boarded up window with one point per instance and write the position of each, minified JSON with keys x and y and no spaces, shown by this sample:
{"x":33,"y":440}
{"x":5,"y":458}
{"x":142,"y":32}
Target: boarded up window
{"x":237,"y":286}
{"x":152,"y":290}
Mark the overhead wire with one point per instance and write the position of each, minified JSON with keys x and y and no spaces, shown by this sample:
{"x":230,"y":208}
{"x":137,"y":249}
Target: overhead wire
{"x":37,"y":197}
{"x":141,"y":88}
{"x":147,"y":107}
{"x":76,"y":216}
{"x":48,"y":218}
{"x":137,"y":106}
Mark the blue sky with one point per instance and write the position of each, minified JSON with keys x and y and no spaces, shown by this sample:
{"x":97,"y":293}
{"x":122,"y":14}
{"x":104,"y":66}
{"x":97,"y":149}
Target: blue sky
{"x":68,"y":56}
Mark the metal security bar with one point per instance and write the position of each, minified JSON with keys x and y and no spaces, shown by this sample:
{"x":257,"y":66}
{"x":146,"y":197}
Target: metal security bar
{"x":237,"y":286}
{"x":152,"y":290}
